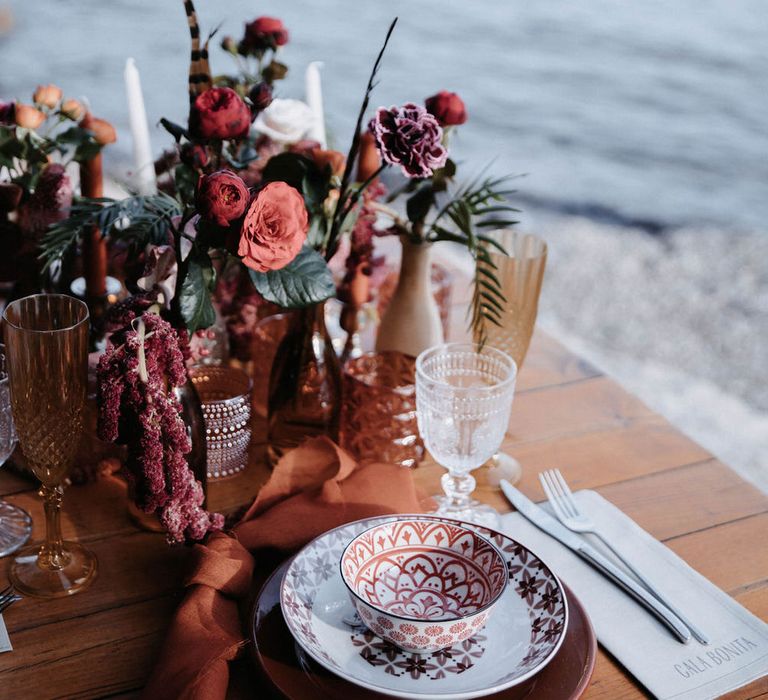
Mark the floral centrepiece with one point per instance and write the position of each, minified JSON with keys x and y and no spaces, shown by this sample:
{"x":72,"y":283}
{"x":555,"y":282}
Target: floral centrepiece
{"x":242,"y":188}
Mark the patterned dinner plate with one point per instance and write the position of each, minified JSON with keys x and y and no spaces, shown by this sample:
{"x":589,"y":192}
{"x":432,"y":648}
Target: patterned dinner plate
{"x":521,"y":637}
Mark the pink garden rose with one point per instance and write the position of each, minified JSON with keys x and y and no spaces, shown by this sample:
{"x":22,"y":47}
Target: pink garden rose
{"x":274,"y":229}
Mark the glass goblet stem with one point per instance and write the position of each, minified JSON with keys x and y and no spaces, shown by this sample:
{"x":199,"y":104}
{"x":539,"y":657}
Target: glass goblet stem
{"x":52,"y":554}
{"x":458,"y":488}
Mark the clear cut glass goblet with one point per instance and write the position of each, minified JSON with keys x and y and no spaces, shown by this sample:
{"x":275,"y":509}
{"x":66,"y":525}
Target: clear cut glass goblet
{"x":15,"y":523}
{"x":464,"y":396}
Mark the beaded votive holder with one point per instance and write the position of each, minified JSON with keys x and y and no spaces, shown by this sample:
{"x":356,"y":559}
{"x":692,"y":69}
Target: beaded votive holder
{"x":225,"y":395}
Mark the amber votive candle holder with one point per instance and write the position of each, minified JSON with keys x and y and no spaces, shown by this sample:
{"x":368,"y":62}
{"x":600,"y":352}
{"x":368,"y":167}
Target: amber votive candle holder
{"x":378,"y":415}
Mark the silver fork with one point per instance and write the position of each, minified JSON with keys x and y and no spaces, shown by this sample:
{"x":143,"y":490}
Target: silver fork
{"x":7,"y":598}
{"x":567,"y":511}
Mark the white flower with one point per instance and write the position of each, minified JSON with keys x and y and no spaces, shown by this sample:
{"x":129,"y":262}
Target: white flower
{"x":285,"y":121}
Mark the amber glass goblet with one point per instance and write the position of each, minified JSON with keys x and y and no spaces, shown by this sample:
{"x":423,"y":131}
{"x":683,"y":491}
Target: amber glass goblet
{"x":46,"y":339}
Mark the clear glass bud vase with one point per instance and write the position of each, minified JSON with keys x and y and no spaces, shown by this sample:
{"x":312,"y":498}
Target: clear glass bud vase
{"x":304,"y":385}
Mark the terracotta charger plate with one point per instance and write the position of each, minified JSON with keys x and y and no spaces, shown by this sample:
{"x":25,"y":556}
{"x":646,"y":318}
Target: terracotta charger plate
{"x":292,"y":674}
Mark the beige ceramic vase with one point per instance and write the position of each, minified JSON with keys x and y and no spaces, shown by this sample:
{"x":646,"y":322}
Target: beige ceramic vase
{"x":411,"y":322}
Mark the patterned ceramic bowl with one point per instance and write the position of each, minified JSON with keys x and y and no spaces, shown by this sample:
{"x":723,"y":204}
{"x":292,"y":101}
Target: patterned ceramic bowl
{"x":423,"y":585}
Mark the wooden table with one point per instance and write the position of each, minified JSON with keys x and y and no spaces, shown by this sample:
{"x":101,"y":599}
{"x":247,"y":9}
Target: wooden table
{"x":566,"y":414}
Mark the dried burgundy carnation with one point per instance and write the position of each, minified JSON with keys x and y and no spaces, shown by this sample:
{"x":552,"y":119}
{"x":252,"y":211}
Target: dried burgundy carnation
{"x":410,"y":137}
{"x":145,"y":415}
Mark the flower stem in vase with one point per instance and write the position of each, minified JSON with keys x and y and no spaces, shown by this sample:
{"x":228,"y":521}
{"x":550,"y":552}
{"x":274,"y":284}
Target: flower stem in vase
{"x":304,"y":386}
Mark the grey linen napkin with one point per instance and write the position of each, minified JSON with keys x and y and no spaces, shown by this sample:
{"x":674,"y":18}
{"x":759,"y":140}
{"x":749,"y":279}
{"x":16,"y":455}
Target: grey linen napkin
{"x":5,"y":640}
{"x":738,"y":650}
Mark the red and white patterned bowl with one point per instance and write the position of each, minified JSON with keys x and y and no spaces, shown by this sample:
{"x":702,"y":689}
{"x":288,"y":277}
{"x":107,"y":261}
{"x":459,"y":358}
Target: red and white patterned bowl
{"x":423,"y":585}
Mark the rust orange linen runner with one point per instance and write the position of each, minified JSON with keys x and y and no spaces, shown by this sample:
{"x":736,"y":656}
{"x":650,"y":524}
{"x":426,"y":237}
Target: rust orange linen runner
{"x":314,"y":488}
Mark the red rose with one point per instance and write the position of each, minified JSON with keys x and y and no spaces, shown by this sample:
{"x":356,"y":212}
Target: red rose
{"x":447,"y":107}
{"x":220,"y":113}
{"x":261,"y":97}
{"x":265,"y":33}
{"x":194,"y":155}
{"x":274,"y":229}
{"x":221,"y":197}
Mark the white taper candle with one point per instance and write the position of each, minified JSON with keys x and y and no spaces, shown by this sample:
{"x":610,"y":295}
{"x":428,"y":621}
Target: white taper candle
{"x":144,"y":164}
{"x":314,"y":98}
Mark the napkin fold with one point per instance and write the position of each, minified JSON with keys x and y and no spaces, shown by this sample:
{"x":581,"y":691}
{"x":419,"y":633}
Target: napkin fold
{"x":5,"y":640}
{"x":738,"y":650}
{"x":313,"y":488}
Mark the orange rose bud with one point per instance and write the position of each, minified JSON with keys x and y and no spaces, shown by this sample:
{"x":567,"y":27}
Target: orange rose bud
{"x":368,"y":159}
{"x":28,"y":117}
{"x":333,"y":159}
{"x":103,"y":131}
{"x":47,"y":95}
{"x":72,"y":109}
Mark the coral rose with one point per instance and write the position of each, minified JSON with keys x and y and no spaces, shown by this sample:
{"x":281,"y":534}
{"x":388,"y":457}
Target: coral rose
{"x":221,"y":197}
{"x":333,"y":159}
{"x":274,"y":229}
{"x":47,"y":95}
{"x":447,"y":107}
{"x":410,"y":137}
{"x":72,"y":109}
{"x":220,"y":113}
{"x":265,"y":33}
{"x":28,"y":117}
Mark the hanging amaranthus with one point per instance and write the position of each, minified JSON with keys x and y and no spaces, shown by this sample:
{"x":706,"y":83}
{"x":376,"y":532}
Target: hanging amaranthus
{"x":137,"y":374}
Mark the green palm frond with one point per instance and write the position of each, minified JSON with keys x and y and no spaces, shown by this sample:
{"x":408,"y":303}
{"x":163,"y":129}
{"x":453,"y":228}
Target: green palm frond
{"x":467,"y":218}
{"x":141,"y":219}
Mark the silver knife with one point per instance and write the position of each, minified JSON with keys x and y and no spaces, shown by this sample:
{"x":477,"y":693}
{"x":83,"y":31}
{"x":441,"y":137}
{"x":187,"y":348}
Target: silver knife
{"x":544,"y":521}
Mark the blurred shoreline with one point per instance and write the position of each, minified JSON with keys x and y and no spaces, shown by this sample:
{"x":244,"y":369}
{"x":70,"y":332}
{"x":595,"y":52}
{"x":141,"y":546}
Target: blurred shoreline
{"x":624,"y":300}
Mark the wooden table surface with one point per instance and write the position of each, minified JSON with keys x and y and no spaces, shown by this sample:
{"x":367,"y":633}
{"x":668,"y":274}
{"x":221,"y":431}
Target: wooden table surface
{"x":101,"y":643}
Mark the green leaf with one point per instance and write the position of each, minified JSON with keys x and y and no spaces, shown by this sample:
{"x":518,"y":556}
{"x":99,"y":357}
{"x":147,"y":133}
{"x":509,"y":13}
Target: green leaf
{"x":87,"y":151}
{"x":287,"y":167}
{"x":186,"y":180}
{"x":318,"y":228}
{"x":315,"y":186}
{"x":195,"y":297}
{"x":274,"y":71}
{"x":303,"y":282}
{"x":420,"y":202}
{"x":174,"y":130}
